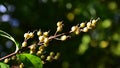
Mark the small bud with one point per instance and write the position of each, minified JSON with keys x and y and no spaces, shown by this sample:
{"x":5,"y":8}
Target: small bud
{"x":41,"y":47}
{"x":89,"y":25}
{"x":59,"y":23}
{"x":52,"y":53}
{"x":82,"y":25}
{"x":46,"y":33}
{"x":13,"y":57}
{"x":46,"y":40}
{"x":49,"y":58}
{"x":57,"y":56}
{"x":32,"y":47}
{"x":6,"y":60}
{"x":26,"y":36}
{"x":43,"y":62}
{"x":63,"y":38}
{"x":59,"y":28}
{"x":24,"y":44}
{"x":93,"y":23}
{"x":21,"y":65}
{"x":39,"y":53}
{"x":77,"y":32}
{"x":31,"y":51}
{"x":41,"y":38}
{"x":42,"y":57}
{"x":73,"y":29}
{"x":46,"y":44}
{"x":31,"y":34}
{"x":85,"y":29}
{"x":39,"y":33}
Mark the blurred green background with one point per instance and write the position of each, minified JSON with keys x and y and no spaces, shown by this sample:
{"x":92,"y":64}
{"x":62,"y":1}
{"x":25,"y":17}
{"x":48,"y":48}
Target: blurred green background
{"x":99,"y":48}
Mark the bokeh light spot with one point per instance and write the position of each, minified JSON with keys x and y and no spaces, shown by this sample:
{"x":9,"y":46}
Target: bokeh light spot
{"x":68,"y":5}
{"x":3,"y":9}
{"x":104,"y":44}
{"x":112,"y":5}
{"x":106,"y":23}
{"x":70,"y":16}
{"x":5,"y":18}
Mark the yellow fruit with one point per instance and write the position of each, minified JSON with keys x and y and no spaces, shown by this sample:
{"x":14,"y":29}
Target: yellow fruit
{"x":77,"y":31}
{"x":26,"y":36}
{"x":89,"y":25}
{"x":73,"y":29}
{"x":52,"y":53}
{"x":42,"y":57}
{"x":31,"y":51}
{"x":32,"y":47}
{"x":41,"y":47}
{"x":21,"y":65}
{"x":59,"y":28}
{"x":46,"y":40}
{"x":63,"y":38}
{"x":82,"y":25}
{"x":39,"y":33}
{"x":59,"y":23}
{"x":6,"y":60}
{"x":46,"y":33}
{"x":85,"y":29}
{"x":49,"y":58}
{"x":39,"y":53}
{"x":24,"y":44}
{"x":41,"y":38}
{"x":31,"y":34}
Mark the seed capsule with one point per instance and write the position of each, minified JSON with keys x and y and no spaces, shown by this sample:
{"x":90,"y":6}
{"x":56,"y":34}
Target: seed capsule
{"x":39,"y":53}
{"x":73,"y":29}
{"x":31,"y":51}
{"x":21,"y":65}
{"x":46,"y":44}
{"x":6,"y":60}
{"x":52,"y":53}
{"x":13,"y":57}
{"x":46,"y":33}
{"x":41,"y":47}
{"x":93,"y":23}
{"x":39,"y":33}
{"x":24,"y":44}
{"x":26,"y":36}
{"x":46,"y":40}
{"x":57,"y":56}
{"x":59,"y":23}
{"x":77,"y":32}
{"x":31,"y":34}
{"x":41,"y":38}
{"x":89,"y":24}
{"x":85,"y":29}
{"x":59,"y":28}
{"x":82,"y":25}
{"x":32,"y":47}
{"x":63,"y":38}
{"x":49,"y":58}
{"x":42,"y":57}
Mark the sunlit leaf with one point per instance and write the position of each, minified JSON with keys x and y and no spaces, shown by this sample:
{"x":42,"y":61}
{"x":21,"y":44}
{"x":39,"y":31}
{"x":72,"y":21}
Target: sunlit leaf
{"x":30,"y":60}
{"x":2,"y":65}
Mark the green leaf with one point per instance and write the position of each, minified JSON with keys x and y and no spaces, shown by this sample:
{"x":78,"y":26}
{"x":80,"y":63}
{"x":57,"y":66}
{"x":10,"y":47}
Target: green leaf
{"x":6,"y":35}
{"x":2,"y":65}
{"x":30,"y":60}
